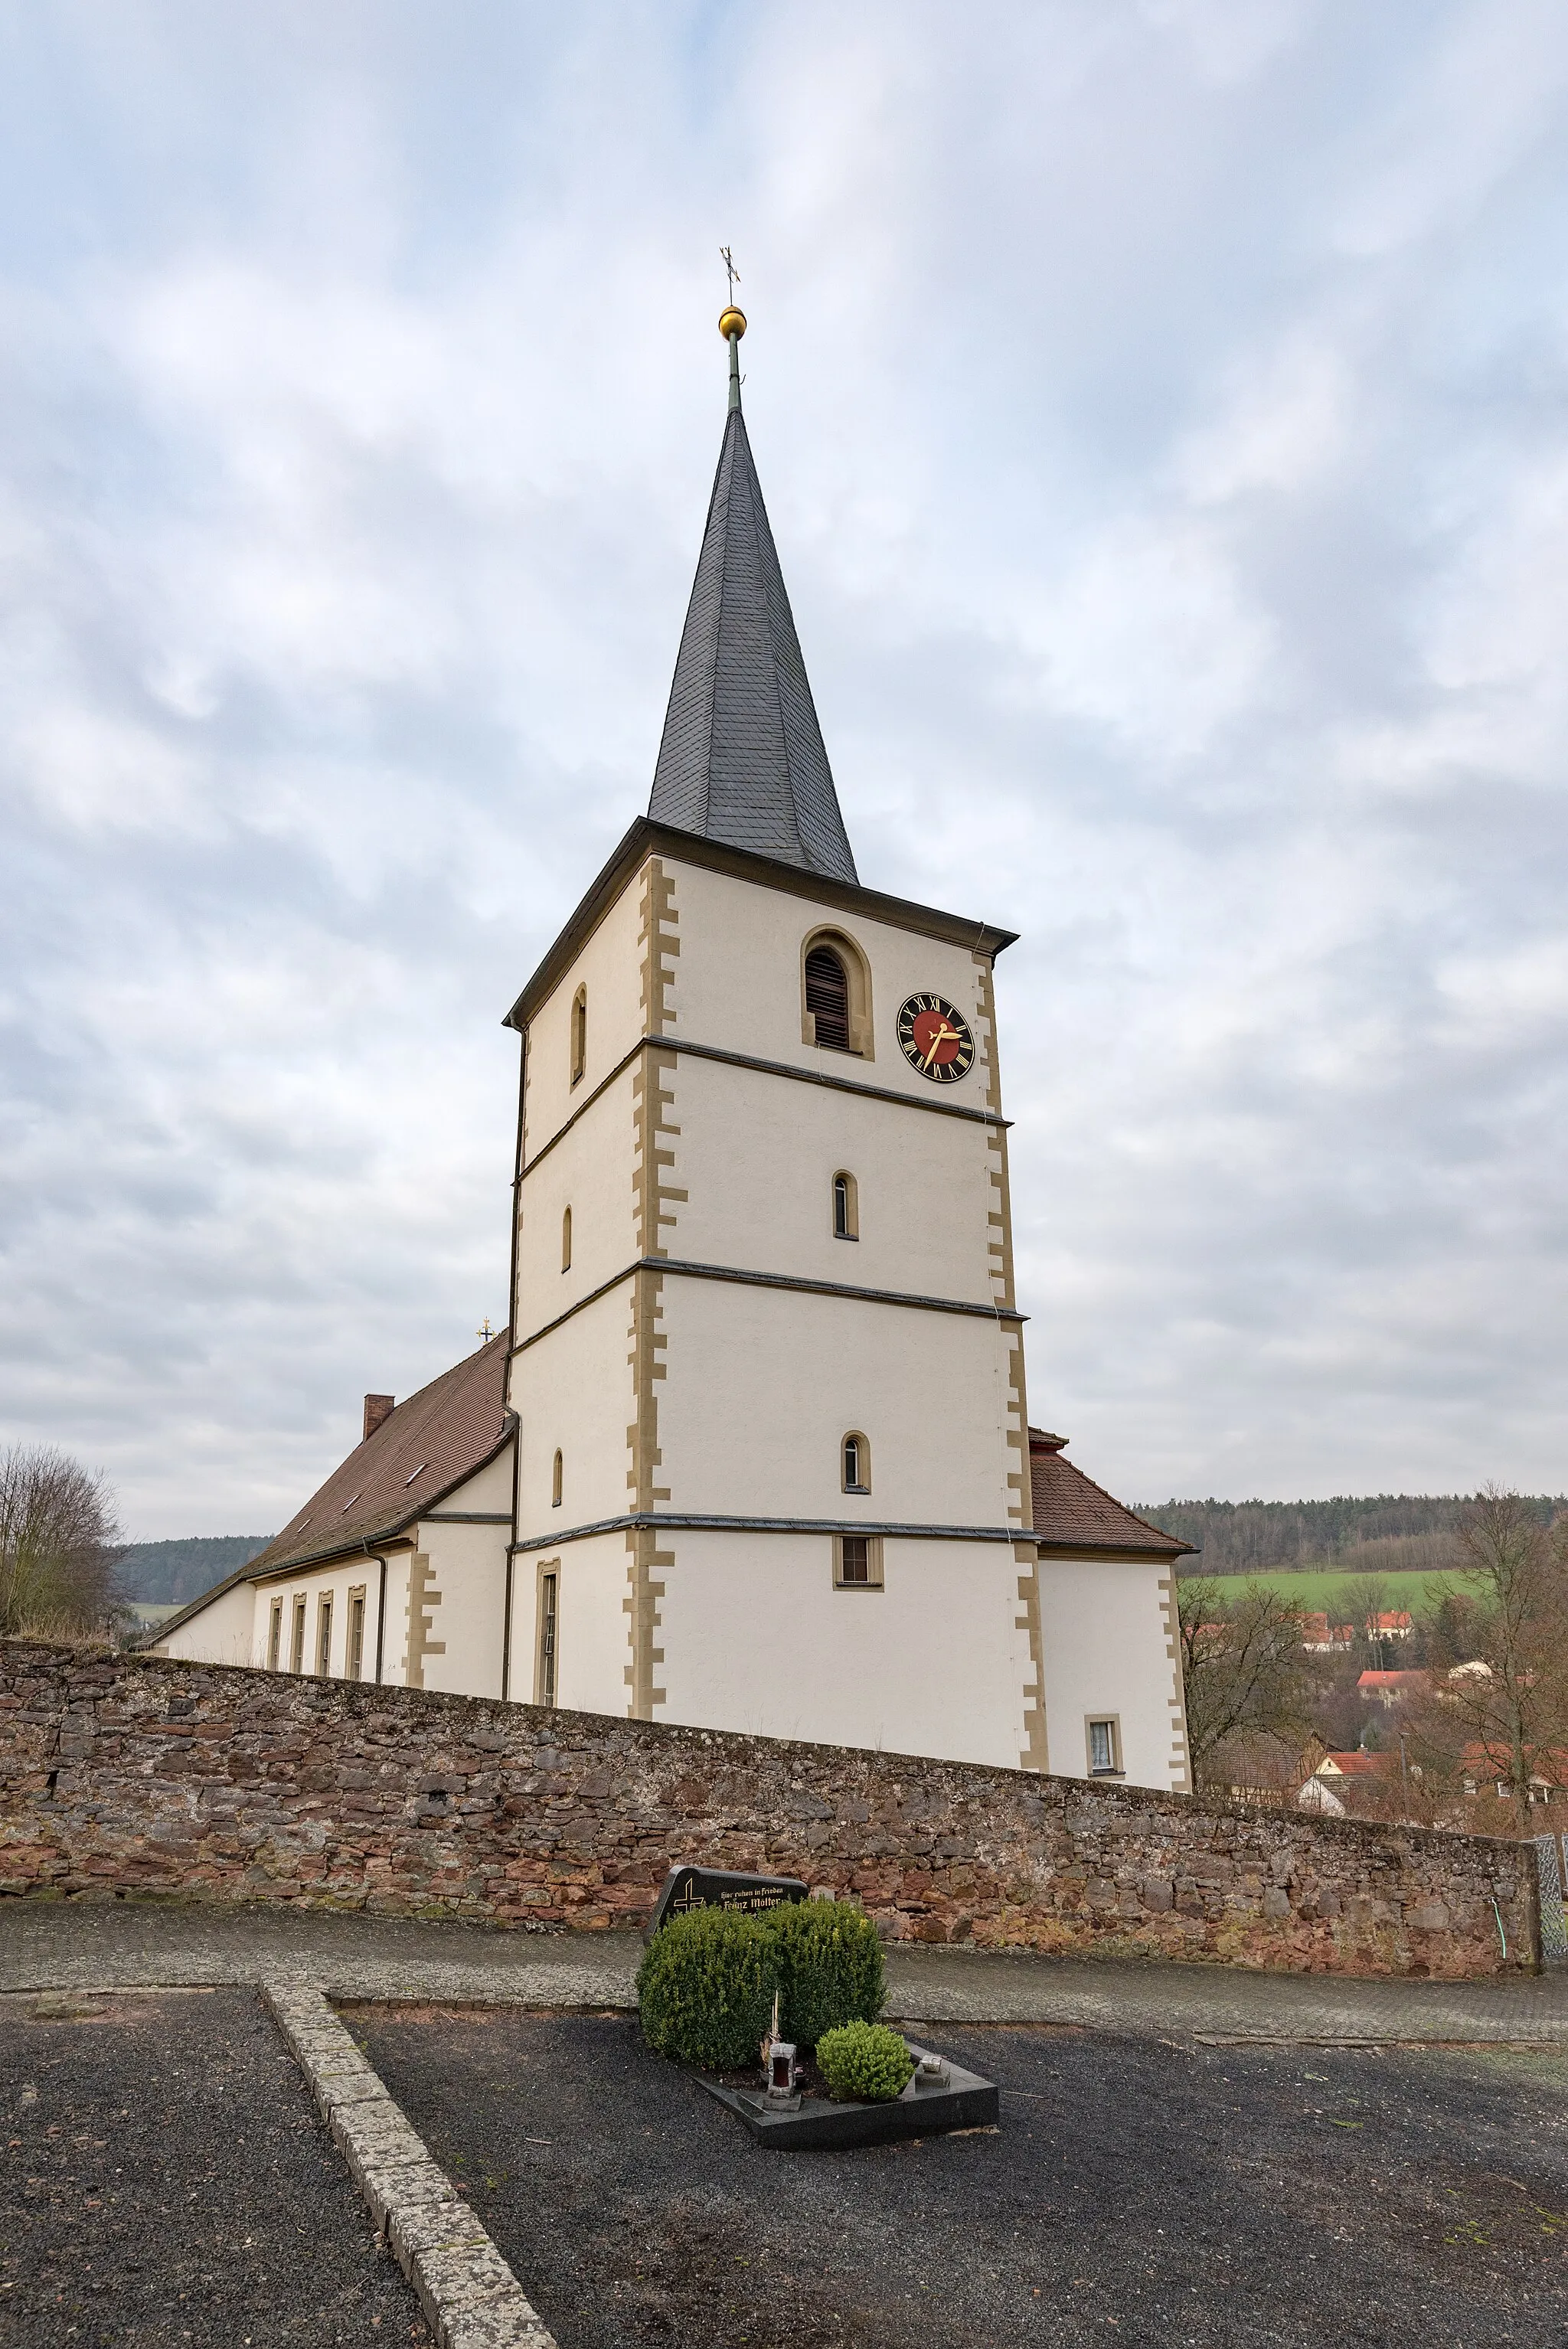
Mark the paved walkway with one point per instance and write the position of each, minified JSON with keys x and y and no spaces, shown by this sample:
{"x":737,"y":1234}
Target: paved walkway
{"x":59,"y":1945}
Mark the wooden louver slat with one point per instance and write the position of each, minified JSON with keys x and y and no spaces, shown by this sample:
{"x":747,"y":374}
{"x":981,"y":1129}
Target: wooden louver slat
{"x":828,"y":997}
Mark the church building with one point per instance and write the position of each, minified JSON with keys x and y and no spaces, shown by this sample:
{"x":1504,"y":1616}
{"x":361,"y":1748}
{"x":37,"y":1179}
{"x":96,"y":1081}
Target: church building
{"x":754,"y":1450}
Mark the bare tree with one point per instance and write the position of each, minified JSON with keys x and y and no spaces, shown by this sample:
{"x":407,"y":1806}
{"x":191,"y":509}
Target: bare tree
{"x":57,"y":1534}
{"x":1511,"y":1590}
{"x":1242,"y":1665}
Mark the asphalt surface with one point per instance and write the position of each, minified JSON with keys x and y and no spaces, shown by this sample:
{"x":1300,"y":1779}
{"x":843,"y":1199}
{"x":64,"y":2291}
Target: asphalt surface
{"x":1139,"y":2191}
{"x":98,"y":1944}
{"x":166,"y":2179}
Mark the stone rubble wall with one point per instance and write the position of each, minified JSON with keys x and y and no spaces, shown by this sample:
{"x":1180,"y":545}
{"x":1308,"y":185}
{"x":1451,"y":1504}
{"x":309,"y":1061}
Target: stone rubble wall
{"x":140,"y":1777}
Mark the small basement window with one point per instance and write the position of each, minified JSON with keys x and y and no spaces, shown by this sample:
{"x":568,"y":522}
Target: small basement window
{"x":857,"y":1562}
{"x":1105,"y":1747}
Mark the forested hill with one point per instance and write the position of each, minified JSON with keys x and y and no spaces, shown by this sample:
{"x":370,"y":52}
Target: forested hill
{"x":170,"y":1573}
{"x":1382,"y":1532}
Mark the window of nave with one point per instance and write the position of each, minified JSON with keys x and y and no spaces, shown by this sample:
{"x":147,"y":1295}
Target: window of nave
{"x":846,"y":1206}
{"x":855,"y":1462}
{"x":579,"y":1033}
{"x":835,"y":994}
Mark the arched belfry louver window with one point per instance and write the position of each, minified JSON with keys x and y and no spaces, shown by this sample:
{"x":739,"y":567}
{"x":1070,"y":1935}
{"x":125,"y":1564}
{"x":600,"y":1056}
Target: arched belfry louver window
{"x":827,"y":998}
{"x":835,"y":994}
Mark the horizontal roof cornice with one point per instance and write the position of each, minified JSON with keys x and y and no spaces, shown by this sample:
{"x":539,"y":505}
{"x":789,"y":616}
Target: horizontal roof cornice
{"x":644,"y":838}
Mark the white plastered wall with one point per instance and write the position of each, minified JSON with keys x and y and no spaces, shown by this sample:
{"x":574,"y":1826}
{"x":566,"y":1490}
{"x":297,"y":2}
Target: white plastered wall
{"x":609,"y":965}
{"x":1109,"y":1651}
{"x":589,"y":1171}
{"x":222,"y":1632}
{"x":592,"y":1644}
{"x":764,"y":1383}
{"x":574,"y":1391}
{"x":756,"y":1638}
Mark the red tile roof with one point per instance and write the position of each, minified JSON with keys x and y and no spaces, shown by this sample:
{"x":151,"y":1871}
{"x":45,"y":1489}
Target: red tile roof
{"x":1072,"y":1512}
{"x":437,"y":1439}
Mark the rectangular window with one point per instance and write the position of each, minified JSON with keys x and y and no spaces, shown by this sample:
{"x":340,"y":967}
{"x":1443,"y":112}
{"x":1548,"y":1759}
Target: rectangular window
{"x":274,"y":1634}
{"x":354,"y":1662}
{"x":1105,"y":1747}
{"x":857,"y":1561}
{"x":544,"y":1678}
{"x":296,"y":1641}
{"x":324,"y":1635}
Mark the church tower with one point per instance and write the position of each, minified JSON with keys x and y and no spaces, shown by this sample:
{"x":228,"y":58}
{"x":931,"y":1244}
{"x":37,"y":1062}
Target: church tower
{"x":773,"y":1467}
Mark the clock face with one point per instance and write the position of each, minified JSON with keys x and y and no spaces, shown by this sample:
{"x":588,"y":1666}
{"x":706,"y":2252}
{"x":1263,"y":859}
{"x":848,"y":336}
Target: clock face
{"x":934,"y":1038}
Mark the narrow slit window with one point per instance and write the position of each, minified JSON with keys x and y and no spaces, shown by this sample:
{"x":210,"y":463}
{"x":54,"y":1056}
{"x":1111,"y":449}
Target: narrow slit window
{"x":827,"y":998}
{"x":579,"y":1033}
{"x":547,"y":1634}
{"x":324,"y":1635}
{"x":846,"y":1206}
{"x":567,"y":1241}
{"x":296,"y":1637}
{"x":857,"y":1463}
{"x":354,"y":1662}
{"x":274,"y":1634}
{"x":556,"y":1477}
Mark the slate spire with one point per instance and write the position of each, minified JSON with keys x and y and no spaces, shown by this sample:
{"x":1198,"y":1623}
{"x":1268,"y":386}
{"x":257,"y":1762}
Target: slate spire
{"x":742,"y":759}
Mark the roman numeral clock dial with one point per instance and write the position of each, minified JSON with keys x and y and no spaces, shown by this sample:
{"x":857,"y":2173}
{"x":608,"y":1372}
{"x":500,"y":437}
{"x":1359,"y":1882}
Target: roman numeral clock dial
{"x":936,"y":1037}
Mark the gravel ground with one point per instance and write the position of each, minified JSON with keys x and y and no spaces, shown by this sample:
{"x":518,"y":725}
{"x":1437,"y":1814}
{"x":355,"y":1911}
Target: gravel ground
{"x":166,"y":2179}
{"x":1139,"y":2190}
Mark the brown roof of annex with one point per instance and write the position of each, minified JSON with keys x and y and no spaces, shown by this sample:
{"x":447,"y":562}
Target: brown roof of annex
{"x":1074,"y":1514}
{"x":420,"y":1451}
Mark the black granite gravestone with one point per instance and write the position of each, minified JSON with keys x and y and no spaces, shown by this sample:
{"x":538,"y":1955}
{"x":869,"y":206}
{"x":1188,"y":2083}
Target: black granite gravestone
{"x":686,"y":1889}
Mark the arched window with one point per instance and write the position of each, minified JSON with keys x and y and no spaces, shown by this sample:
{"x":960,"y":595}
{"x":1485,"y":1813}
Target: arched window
{"x":579,"y":1033}
{"x":835,"y":994}
{"x":567,"y":1240}
{"x":555,"y":1480}
{"x":846,"y":1206}
{"x":855,"y":1460}
{"x":827,"y":998}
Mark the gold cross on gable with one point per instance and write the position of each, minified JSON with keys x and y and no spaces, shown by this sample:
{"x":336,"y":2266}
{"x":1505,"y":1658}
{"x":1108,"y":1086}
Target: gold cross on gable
{"x":730,"y":271}
{"x":484,"y":1331}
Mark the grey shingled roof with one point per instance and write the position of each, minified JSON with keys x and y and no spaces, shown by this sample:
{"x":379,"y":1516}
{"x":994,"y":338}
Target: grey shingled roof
{"x":742,"y":759}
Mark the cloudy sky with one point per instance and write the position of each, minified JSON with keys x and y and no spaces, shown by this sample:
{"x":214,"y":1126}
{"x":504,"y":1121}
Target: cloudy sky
{"x":1162,"y":407}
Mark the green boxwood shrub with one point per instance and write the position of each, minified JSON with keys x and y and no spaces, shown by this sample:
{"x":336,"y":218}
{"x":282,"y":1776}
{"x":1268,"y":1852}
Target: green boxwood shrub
{"x":830,"y":1968}
{"x":865,"y":2060}
{"x":704,"y":1989}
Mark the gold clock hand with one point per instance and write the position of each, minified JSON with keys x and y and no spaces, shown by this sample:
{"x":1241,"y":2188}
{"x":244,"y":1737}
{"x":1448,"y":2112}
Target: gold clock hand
{"x":944,"y":1035}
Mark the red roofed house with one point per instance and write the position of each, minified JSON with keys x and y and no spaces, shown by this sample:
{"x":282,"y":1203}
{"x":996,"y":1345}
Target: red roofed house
{"x":1393,"y":1688}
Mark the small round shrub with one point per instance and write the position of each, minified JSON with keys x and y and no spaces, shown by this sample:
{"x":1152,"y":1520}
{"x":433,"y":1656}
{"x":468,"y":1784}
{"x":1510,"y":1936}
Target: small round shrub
{"x":704,"y":1989}
{"x":830,"y":1968}
{"x":865,"y":2060}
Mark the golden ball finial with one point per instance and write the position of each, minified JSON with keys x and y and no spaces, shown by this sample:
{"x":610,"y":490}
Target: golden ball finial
{"x":733,"y":322}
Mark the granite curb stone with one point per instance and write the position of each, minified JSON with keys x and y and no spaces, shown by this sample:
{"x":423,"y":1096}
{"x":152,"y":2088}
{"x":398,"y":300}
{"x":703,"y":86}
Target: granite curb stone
{"x":468,"y":2293}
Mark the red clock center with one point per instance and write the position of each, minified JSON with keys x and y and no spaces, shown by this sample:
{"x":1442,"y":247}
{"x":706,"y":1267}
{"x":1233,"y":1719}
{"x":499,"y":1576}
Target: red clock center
{"x":937,"y":1039}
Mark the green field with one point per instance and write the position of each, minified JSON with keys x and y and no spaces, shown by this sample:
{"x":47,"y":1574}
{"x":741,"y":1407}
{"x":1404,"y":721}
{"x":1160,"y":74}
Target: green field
{"x":1329,"y":1588}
